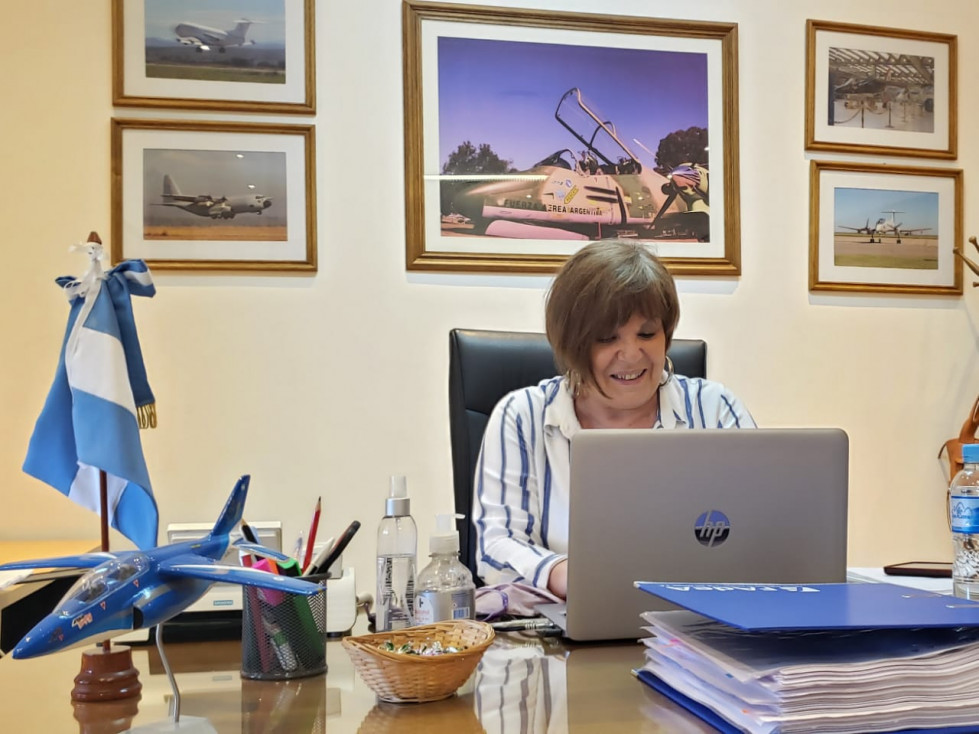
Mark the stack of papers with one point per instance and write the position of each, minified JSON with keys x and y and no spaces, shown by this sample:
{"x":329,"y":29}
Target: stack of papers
{"x":783,"y":679}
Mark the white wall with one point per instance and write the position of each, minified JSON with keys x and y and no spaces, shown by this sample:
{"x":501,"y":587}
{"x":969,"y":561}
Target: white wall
{"x":328,"y":384}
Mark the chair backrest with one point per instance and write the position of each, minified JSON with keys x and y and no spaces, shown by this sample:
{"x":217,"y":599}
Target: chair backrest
{"x":486,"y":365}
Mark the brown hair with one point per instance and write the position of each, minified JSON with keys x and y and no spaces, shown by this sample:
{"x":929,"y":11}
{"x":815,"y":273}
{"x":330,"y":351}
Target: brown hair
{"x":599,"y":289}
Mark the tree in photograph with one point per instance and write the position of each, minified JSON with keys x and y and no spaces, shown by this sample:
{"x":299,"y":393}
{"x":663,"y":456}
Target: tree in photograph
{"x":471,"y":159}
{"x":467,"y":158}
{"x":682,"y":146}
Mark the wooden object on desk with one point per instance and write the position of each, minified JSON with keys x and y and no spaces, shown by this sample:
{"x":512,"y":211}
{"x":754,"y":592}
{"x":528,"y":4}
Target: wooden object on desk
{"x":106,"y":675}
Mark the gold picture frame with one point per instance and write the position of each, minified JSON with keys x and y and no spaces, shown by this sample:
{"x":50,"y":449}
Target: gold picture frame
{"x":451,"y":100}
{"x":218,"y":196}
{"x":884,"y":229}
{"x":881,"y":90}
{"x":205,"y":56}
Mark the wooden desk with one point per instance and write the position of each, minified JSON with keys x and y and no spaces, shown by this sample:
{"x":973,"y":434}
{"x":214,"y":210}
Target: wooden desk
{"x":523,"y":685}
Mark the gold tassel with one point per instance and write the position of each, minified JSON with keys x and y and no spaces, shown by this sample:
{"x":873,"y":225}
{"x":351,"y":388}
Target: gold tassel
{"x":146,"y":414}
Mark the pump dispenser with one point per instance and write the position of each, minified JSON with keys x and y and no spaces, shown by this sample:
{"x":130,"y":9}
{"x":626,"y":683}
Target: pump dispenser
{"x":445,"y":588}
{"x":397,"y":544}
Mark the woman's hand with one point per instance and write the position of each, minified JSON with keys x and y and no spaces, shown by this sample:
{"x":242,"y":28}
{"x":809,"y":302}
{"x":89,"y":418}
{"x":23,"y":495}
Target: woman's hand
{"x":557,"y":582}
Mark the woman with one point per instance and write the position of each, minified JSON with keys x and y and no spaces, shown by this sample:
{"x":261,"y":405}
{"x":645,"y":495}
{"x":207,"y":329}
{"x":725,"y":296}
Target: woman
{"x":610,"y":316}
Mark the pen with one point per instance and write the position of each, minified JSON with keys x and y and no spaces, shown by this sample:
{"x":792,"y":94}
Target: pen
{"x":249,"y":535}
{"x":338,"y":548}
{"x":311,"y":540}
{"x":320,"y":557}
{"x":533,"y":623}
{"x":247,"y":531}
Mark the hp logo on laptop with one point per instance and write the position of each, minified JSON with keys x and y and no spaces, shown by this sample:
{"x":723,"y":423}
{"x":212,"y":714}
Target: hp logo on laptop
{"x":712,"y":528}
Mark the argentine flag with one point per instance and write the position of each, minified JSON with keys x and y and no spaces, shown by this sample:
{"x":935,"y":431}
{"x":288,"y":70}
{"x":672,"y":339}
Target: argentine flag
{"x":90,"y":420}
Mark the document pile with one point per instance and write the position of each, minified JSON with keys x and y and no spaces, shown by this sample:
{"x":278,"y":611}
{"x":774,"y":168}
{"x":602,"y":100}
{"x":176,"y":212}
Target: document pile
{"x":839,"y":678}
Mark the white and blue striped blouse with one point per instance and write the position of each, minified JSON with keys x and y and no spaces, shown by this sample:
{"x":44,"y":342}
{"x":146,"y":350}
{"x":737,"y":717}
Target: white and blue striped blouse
{"x":520,"y":508}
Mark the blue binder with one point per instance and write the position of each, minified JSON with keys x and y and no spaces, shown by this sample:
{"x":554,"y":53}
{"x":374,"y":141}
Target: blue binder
{"x":818,"y":606}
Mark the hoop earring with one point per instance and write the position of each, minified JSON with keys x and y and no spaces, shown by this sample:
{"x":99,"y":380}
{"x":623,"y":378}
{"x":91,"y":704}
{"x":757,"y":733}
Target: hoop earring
{"x":574,"y":382}
{"x":669,"y":371}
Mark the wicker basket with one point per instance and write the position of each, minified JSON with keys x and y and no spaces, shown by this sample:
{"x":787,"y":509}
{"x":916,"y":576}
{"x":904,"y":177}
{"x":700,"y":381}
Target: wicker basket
{"x":402,"y":678}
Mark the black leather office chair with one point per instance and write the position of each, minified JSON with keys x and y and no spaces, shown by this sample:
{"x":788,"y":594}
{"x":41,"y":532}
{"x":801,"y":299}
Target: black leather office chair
{"x":486,"y":365}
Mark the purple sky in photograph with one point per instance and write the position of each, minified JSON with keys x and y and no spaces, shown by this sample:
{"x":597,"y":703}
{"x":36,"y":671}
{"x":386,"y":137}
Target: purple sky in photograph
{"x":505,"y":93}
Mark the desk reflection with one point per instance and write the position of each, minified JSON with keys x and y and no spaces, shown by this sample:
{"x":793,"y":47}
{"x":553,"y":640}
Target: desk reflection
{"x":523,"y":684}
{"x":526,"y":686}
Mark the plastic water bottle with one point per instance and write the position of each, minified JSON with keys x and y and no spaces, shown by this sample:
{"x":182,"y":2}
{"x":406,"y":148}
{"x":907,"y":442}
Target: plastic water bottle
{"x":397,"y":544}
{"x":963,"y":511}
{"x":445,"y":589}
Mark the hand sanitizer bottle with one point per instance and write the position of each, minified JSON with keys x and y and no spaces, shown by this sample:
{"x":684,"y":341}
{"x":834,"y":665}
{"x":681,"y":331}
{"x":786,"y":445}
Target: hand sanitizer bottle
{"x":397,"y":544}
{"x":445,"y":589}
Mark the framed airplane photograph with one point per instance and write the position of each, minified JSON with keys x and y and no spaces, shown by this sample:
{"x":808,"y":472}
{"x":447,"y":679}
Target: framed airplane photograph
{"x":881,"y":90}
{"x":529,"y":133}
{"x":228,"y":196}
{"x":885,"y":229}
{"x":235,"y":55}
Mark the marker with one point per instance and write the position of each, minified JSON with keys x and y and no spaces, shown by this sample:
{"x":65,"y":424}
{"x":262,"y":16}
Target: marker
{"x":337,"y":549}
{"x":289,"y":568}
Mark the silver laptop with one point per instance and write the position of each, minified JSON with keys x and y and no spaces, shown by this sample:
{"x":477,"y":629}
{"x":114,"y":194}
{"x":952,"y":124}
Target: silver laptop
{"x":752,"y":506}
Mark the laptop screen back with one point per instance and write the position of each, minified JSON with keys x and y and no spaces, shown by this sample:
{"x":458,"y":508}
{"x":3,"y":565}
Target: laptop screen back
{"x":752,"y":506}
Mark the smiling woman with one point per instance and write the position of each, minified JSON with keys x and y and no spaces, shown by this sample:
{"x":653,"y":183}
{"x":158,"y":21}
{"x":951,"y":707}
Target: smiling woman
{"x":610,"y":316}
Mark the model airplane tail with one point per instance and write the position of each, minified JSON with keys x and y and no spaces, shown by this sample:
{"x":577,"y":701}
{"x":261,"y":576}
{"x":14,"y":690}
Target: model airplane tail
{"x":233,"y":509}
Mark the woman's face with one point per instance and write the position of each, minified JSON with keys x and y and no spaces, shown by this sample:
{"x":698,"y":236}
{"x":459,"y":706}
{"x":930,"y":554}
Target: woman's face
{"x":628,"y":363}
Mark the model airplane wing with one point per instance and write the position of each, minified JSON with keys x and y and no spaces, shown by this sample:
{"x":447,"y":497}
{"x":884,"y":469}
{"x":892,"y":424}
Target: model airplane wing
{"x":85,"y":560}
{"x":260,"y":550}
{"x":205,"y":568}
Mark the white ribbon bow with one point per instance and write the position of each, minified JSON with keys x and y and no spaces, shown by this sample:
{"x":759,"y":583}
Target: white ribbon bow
{"x":84,"y":285}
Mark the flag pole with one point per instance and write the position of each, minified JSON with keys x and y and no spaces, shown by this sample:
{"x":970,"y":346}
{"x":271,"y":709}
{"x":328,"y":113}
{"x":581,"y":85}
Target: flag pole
{"x":104,"y":522}
{"x":106,"y":674}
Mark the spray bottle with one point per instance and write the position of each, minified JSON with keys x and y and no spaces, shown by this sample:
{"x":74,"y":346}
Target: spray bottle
{"x":397,"y":542}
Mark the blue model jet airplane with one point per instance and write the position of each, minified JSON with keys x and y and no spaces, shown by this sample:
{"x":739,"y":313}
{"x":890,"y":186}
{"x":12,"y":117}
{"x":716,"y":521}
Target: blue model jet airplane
{"x":130,"y":590}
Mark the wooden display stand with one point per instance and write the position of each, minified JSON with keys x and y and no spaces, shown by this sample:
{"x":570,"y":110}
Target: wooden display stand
{"x":106,"y":675}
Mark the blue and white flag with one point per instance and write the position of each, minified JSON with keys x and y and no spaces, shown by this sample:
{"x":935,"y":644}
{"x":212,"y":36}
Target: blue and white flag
{"x":100,"y":396}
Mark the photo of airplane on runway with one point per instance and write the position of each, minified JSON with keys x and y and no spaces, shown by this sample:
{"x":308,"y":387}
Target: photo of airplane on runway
{"x":205,"y":39}
{"x":883,"y":228}
{"x":600,"y":191}
{"x":205,"y":205}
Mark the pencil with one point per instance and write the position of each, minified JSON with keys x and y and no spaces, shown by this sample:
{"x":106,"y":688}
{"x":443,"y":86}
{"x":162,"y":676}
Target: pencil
{"x":311,"y":538}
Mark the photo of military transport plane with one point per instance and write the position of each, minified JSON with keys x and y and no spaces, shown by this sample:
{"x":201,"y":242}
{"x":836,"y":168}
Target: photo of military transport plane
{"x":601,"y":191}
{"x":205,"y":205}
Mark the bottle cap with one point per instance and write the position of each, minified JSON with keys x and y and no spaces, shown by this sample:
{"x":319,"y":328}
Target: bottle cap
{"x":398,"y":504}
{"x":970,"y":453}
{"x":446,"y":537}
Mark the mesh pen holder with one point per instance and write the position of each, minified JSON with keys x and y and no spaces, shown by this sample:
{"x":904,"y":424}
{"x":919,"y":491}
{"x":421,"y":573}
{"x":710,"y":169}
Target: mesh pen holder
{"x":283,"y":636}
